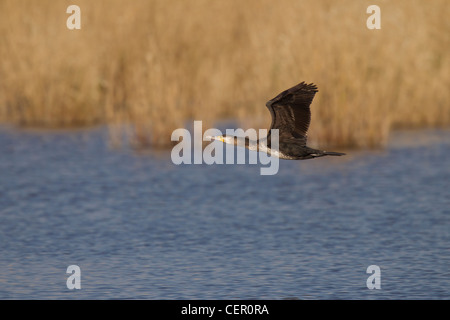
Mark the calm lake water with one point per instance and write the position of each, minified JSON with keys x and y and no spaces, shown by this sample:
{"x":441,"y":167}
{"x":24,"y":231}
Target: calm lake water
{"x":140,"y":227}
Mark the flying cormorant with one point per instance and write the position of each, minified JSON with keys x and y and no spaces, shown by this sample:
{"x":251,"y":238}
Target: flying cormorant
{"x":291,"y":116}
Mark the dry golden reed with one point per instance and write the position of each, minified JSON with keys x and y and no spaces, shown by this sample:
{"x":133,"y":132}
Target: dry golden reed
{"x":157,"y":65}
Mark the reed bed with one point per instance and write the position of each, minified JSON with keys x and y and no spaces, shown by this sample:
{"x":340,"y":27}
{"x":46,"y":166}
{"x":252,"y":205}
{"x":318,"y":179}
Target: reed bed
{"x":157,"y":65}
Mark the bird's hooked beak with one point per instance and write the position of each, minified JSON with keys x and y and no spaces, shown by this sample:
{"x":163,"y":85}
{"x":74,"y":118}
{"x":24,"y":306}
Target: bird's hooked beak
{"x":220,"y":138}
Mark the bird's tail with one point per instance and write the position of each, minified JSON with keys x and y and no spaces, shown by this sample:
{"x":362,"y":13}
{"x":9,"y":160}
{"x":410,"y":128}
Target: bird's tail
{"x":331,"y":153}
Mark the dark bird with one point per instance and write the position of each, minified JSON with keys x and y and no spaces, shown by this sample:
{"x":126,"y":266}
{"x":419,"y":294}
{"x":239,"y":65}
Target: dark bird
{"x":291,"y":116}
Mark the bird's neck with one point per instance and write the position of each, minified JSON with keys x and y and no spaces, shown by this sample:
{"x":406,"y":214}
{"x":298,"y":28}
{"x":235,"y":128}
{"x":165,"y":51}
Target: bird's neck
{"x":247,"y":143}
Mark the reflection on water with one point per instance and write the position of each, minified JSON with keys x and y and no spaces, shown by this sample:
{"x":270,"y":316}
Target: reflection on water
{"x":140,"y":227}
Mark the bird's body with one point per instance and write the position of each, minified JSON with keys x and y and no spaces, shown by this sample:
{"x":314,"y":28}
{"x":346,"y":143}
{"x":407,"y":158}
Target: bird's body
{"x":291,"y":116}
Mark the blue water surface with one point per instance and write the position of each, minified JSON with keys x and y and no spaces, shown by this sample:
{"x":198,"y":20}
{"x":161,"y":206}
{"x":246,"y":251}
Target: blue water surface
{"x":140,"y":227}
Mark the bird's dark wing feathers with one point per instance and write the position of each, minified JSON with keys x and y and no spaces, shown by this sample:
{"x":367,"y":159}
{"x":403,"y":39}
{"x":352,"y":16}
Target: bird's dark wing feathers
{"x":290,"y":112}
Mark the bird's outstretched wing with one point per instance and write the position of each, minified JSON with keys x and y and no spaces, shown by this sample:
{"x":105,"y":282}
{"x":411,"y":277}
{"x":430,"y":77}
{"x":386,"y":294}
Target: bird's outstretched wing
{"x":291,"y":114}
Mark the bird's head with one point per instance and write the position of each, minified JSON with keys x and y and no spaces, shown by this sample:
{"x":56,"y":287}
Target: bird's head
{"x":224,"y":138}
